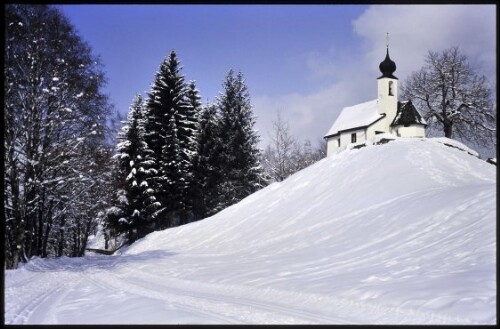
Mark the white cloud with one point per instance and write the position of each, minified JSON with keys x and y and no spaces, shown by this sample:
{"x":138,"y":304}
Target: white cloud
{"x":350,"y":78}
{"x":416,"y":29}
{"x":309,"y":115}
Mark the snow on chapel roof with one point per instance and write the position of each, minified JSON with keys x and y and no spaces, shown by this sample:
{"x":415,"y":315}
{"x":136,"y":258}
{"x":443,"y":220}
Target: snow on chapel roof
{"x":357,"y":116}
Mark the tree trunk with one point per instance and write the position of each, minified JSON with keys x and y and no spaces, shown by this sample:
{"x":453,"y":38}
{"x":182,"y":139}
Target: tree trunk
{"x":15,"y":203}
{"x":76,"y":241}
{"x":130,"y":236}
{"x":85,"y":237}
{"x":48,"y":227}
{"x":46,"y":239}
{"x":41,"y":218}
{"x":448,"y":129}
{"x":60,"y":248}
{"x":16,"y":254}
{"x":106,"y":240}
{"x":39,"y":233}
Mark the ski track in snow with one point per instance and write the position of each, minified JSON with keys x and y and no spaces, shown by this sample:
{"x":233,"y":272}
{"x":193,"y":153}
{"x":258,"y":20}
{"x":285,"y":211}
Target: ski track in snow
{"x":417,"y":251}
{"x":44,"y":305}
{"x":216,"y":303}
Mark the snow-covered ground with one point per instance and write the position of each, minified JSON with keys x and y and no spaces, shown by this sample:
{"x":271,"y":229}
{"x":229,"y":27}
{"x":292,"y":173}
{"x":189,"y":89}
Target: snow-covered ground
{"x":403,"y":232}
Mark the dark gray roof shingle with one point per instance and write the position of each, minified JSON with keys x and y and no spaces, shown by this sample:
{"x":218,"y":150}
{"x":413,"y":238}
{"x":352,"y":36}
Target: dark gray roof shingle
{"x":407,"y":115}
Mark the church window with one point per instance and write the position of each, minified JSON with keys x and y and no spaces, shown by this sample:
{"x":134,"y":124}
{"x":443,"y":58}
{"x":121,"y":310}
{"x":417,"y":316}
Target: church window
{"x":353,"y":138}
{"x":391,"y":93}
{"x":338,"y":140}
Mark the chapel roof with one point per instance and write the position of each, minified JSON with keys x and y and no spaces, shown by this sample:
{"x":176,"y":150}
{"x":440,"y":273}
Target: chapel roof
{"x":357,"y":116}
{"x":407,"y":115}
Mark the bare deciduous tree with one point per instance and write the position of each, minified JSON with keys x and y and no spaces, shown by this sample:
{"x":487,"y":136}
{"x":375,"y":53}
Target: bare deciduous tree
{"x":54,"y":137}
{"x":279,"y":154}
{"x":285,"y":155}
{"x":453,"y":98}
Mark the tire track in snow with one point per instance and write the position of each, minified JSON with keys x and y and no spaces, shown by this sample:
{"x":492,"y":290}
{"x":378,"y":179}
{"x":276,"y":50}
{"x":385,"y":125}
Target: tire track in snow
{"x":264,"y":304}
{"x":232,"y":309}
{"x":315,"y":305}
{"x":96,"y":279}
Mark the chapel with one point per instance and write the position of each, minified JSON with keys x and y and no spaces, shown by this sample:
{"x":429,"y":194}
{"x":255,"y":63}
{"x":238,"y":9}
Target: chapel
{"x":385,"y":114}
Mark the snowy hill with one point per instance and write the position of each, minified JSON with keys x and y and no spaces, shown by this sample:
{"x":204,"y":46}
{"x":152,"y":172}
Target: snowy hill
{"x":402,"y":232}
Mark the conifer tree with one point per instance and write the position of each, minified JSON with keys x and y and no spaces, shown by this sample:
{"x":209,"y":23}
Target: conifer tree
{"x":239,"y":166}
{"x":207,"y":166}
{"x":133,"y":153}
{"x":191,"y":116}
{"x":193,"y":131}
{"x":170,"y":120}
{"x":171,"y":179}
{"x":114,"y":225}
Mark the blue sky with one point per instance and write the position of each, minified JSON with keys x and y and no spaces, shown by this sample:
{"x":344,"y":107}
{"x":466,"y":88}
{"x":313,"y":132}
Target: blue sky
{"x":307,"y":61}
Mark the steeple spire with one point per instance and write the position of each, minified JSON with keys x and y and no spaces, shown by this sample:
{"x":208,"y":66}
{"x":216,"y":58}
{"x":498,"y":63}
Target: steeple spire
{"x":387,"y":66}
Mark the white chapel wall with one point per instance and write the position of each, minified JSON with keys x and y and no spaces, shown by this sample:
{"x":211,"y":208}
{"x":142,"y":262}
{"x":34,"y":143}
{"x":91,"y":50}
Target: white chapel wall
{"x":380,"y":125}
{"x":386,"y":103}
{"x":332,"y":145}
{"x":345,"y":138}
{"x":411,"y":131}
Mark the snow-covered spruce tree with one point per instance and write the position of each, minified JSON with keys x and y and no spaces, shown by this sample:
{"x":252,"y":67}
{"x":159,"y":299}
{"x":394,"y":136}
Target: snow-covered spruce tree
{"x":193,"y":129}
{"x":54,"y":112}
{"x":239,"y":156}
{"x":207,"y":166}
{"x":172,"y":178}
{"x":454,"y":100}
{"x":133,"y":156}
{"x":114,"y":227}
{"x":173,"y":164}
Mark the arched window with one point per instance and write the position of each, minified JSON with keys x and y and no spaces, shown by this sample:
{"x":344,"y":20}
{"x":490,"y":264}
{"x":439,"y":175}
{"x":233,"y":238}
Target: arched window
{"x":390,"y":89}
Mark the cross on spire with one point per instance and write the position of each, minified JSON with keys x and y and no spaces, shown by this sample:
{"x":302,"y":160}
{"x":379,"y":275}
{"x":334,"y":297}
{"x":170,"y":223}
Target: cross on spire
{"x":387,"y":40}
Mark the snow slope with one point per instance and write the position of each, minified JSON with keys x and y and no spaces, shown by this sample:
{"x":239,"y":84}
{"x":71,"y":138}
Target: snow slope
{"x":402,"y":232}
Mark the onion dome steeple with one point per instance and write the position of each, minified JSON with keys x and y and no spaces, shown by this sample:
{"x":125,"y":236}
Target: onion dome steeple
{"x":387,"y":66}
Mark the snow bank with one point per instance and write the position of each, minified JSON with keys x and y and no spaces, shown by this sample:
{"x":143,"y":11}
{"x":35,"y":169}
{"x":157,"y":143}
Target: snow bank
{"x":401,"y":232}
{"x":407,"y":224}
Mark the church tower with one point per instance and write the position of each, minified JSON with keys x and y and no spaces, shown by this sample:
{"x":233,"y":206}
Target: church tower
{"x":387,"y":88}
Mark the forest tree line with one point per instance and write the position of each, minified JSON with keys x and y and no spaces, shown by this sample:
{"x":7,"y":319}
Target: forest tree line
{"x":69,"y":172}
{"x":174,"y":161}
{"x":178,"y":161}
{"x":55,"y":155}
